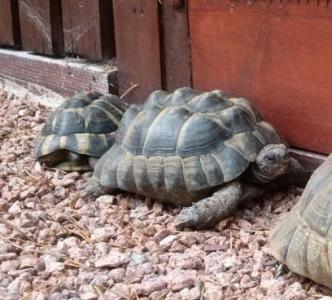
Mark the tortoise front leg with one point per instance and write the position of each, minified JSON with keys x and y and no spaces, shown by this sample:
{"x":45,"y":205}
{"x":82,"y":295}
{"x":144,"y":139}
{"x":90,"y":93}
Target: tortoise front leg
{"x":209,"y":211}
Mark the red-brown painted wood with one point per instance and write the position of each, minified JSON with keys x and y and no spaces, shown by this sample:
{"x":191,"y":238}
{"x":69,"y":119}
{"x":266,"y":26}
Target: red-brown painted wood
{"x":9,"y":26}
{"x":62,"y":76}
{"x":137,"y":38}
{"x":279,"y":54}
{"x":175,"y":44}
{"x":88,"y":28}
{"x":41,"y":26}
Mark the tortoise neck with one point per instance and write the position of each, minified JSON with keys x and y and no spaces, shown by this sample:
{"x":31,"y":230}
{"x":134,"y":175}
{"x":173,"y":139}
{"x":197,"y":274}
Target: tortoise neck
{"x":255,"y":175}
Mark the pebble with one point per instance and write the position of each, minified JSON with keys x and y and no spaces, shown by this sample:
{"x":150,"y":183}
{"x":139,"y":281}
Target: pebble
{"x":191,"y":294}
{"x":110,"y":295}
{"x":180,"y":279}
{"x":138,"y":258}
{"x":7,"y":256}
{"x":167,"y":242}
{"x":112,"y":260}
{"x":213,"y":293}
{"x":8,"y":265}
{"x":117,"y":274}
{"x":150,"y":285}
{"x":186,"y":261}
{"x":28,"y":261}
{"x":106,"y":200}
{"x":102,"y":234}
{"x":294,"y":292}
{"x":15,"y":208}
{"x":89,"y":296}
{"x":51,"y":265}
{"x":135,"y":273}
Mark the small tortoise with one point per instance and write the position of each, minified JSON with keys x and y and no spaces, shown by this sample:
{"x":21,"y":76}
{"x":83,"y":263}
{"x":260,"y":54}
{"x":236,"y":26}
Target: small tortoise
{"x":189,"y":146}
{"x":79,"y":131}
{"x":303,"y":238}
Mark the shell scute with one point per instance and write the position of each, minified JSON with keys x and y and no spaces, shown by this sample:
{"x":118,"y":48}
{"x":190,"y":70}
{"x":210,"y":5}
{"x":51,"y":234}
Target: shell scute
{"x":194,"y":176}
{"x":231,"y":163}
{"x":156,"y":172}
{"x":135,"y":132}
{"x":212,"y":170}
{"x":125,"y":173}
{"x":98,"y":120}
{"x":209,"y":102}
{"x":246,"y":144}
{"x":68,"y":123}
{"x":162,"y":135}
{"x":180,"y":97}
{"x":237,"y":120}
{"x":200,"y":135}
{"x":174,"y":174}
{"x":140,"y":174}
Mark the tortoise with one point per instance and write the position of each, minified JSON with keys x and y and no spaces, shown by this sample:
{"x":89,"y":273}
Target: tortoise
{"x":79,"y":131}
{"x":303,"y":240}
{"x":195,"y":147}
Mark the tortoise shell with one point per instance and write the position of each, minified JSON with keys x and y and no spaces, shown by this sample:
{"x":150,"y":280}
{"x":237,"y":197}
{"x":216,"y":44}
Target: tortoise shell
{"x":83,"y":124}
{"x":303,"y":238}
{"x":178,"y":146}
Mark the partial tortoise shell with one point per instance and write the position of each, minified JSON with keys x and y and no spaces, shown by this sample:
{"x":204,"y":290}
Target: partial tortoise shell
{"x":303,"y":238}
{"x":83,"y":124}
{"x":183,"y":143}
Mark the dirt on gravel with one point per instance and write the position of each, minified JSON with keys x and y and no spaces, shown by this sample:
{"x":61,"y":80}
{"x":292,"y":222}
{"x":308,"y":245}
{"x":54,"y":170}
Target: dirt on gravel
{"x":55,"y":245}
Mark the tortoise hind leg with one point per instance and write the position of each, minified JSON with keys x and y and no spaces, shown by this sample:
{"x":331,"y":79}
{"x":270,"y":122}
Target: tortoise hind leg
{"x":95,"y":189}
{"x":209,"y":211}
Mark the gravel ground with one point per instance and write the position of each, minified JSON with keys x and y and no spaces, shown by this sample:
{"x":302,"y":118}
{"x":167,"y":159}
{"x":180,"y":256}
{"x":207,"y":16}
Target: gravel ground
{"x":55,"y":245}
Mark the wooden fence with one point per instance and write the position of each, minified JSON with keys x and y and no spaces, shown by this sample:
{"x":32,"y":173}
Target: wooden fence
{"x":151,"y":36}
{"x":58,"y":28}
{"x":277,"y":53}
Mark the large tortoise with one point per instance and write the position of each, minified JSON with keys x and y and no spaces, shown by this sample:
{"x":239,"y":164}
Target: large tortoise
{"x":303,"y":238}
{"x":189,"y":146}
{"x":79,"y":131}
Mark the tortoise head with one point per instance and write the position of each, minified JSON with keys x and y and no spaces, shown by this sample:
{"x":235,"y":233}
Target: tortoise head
{"x":272,"y":162}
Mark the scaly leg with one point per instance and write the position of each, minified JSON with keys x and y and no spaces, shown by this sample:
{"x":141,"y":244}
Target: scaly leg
{"x":207,"y":212}
{"x":95,"y":189}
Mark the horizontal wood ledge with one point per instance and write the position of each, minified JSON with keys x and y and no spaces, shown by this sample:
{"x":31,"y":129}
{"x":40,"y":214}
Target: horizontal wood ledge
{"x":63,"y":76}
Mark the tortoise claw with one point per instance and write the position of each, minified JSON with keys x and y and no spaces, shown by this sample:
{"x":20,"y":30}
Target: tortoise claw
{"x":187,"y":217}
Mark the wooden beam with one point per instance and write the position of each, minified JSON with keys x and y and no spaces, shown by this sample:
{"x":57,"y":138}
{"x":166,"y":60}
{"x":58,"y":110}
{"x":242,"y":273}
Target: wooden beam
{"x":309,"y":160}
{"x":62,"y":76}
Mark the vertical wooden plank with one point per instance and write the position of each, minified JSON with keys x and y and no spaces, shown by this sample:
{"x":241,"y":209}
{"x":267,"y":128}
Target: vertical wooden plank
{"x":107,"y":28}
{"x":56,"y":27}
{"x":279,"y":54}
{"x":136,"y":26}
{"x":9,"y":24}
{"x":88,"y":28}
{"x":175,"y":44}
{"x":41,"y":26}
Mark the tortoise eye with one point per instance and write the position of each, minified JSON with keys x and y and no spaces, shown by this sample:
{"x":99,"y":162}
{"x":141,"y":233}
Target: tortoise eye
{"x":270,"y":157}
